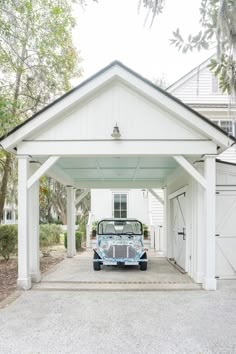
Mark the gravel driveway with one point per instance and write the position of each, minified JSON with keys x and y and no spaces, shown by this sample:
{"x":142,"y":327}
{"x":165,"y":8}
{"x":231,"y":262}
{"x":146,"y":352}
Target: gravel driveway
{"x":121,"y":322}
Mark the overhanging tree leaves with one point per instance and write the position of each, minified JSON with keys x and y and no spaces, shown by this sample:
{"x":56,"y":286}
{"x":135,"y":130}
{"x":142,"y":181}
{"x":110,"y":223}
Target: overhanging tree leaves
{"x":37,"y":59}
{"x":218,"y":21}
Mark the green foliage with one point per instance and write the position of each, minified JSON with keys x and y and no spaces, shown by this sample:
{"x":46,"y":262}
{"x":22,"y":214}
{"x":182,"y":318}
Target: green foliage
{"x":49,"y":234}
{"x":225,"y":70}
{"x":78,"y":240}
{"x":37,"y":55}
{"x":217,"y":19}
{"x":37,"y":61}
{"x":154,"y":7}
{"x":8,"y":240}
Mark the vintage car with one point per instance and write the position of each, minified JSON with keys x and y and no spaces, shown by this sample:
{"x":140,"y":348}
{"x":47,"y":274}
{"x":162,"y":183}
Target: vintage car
{"x":119,"y":241}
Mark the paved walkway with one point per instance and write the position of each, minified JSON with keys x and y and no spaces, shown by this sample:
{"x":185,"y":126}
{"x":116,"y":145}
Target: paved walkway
{"x":65,"y":321}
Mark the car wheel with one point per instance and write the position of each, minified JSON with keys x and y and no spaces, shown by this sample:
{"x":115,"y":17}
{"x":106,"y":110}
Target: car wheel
{"x":143,"y":265}
{"x":96,"y":265}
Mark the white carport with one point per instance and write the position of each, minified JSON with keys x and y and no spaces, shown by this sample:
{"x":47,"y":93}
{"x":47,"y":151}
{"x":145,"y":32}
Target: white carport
{"x":71,"y":141}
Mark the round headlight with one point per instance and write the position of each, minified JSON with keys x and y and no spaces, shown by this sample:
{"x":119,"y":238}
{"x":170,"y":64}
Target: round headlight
{"x":104,"y":245}
{"x":137,"y":245}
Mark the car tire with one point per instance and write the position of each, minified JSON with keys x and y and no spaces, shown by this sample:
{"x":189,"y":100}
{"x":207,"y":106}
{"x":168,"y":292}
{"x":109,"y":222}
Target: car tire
{"x":96,"y":265}
{"x":143,"y":265}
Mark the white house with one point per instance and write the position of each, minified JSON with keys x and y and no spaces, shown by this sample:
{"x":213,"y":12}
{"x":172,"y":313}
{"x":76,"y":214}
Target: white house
{"x":164,"y":144}
{"x":199,"y":89}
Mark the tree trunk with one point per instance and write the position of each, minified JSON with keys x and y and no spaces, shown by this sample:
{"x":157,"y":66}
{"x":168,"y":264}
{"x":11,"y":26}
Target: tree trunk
{"x":3,"y":190}
{"x":7,"y":167}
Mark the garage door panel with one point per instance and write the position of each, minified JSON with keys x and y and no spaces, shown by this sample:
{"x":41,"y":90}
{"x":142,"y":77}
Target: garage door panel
{"x":226,"y":234}
{"x":178,"y":227}
{"x":225,"y":256}
{"x":225,"y":215}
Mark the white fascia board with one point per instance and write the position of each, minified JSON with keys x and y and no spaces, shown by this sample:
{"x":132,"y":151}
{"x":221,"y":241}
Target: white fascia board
{"x":176,"y":109}
{"x":58,"y":108}
{"x":117,"y":148}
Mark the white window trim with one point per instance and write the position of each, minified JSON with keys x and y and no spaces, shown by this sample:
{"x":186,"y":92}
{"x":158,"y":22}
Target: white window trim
{"x":127,"y":202}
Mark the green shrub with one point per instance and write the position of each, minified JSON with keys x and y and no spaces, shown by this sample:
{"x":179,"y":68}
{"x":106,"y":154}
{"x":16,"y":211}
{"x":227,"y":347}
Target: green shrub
{"x":8,"y":240}
{"x":49,"y":234}
{"x":78,"y":240}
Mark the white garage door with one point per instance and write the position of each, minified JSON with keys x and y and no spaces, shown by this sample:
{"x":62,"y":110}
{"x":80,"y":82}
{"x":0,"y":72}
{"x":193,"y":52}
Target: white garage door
{"x":226,"y":234}
{"x":179,"y":211}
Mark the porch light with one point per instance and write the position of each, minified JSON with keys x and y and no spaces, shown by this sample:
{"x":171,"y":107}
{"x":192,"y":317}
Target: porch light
{"x":144,"y":192}
{"x":116,"y":133}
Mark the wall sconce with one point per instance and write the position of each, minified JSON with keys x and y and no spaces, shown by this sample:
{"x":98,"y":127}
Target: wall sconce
{"x":145,"y":193}
{"x":116,"y":133}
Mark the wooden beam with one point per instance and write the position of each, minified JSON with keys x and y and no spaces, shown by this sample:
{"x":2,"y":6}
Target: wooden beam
{"x":59,"y":175}
{"x":117,"y":148}
{"x":191,"y":170}
{"x":42,"y":170}
{"x":82,"y":196}
{"x":160,"y":200}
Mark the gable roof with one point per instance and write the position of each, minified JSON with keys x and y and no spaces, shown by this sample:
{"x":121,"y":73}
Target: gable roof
{"x":98,"y":74}
{"x":190,"y":74}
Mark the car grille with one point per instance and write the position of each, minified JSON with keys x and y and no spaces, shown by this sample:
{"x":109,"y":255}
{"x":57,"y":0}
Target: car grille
{"x":120,"y":251}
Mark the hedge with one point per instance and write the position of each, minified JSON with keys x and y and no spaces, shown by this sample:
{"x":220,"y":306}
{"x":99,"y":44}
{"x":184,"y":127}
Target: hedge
{"x":78,"y":240}
{"x":8,"y":240}
{"x":49,"y":234}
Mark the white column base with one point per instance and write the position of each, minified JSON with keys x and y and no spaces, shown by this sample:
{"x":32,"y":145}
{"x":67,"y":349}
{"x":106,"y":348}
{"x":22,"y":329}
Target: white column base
{"x":209,"y":284}
{"x":36,"y":277}
{"x":198,"y":277}
{"x":70,"y":254}
{"x":24,"y":283}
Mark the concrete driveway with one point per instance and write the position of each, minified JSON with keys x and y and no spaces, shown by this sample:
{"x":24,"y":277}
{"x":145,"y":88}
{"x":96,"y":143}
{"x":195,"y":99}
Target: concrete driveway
{"x":77,"y":274}
{"x":92,"y":321}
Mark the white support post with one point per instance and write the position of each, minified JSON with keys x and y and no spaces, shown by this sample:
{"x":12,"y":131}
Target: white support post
{"x":166,"y":221}
{"x":209,"y":281}
{"x":4,"y":216}
{"x":14,"y":216}
{"x":74,"y":219}
{"x":71,"y":251}
{"x":34,"y":252}
{"x":24,"y":279}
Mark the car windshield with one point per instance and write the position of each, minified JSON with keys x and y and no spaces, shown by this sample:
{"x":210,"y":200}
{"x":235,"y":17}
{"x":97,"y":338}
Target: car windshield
{"x":119,"y":227}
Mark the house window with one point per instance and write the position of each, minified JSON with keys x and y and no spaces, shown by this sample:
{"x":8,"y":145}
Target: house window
{"x":227,"y":125}
{"x":9,"y":216}
{"x":120,"y":205}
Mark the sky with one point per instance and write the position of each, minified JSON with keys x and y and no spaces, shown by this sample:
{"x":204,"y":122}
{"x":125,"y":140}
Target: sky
{"x":110,"y":30}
